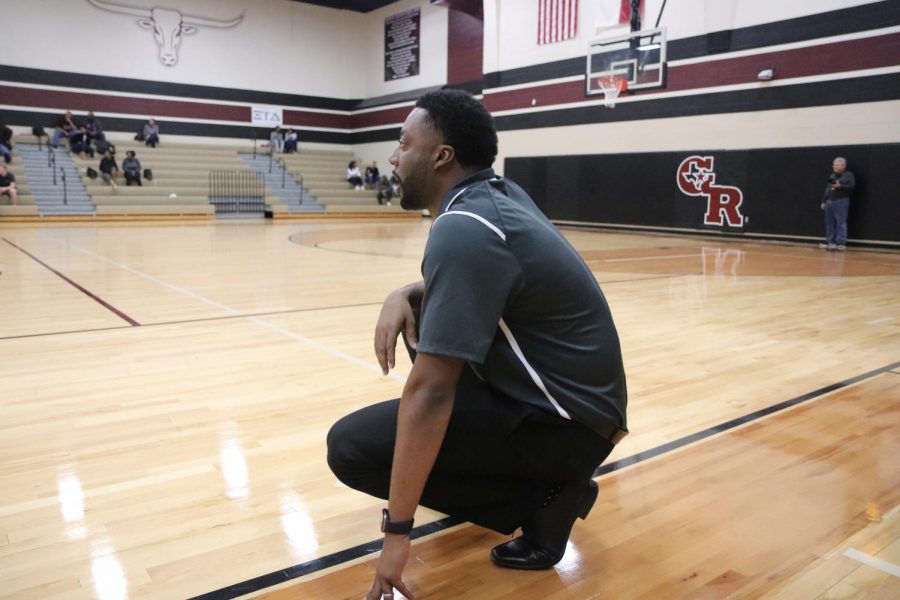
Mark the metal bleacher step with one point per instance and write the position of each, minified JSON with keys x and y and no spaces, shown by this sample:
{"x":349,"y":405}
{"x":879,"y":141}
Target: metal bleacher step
{"x":282,"y":184}
{"x":55,"y":187}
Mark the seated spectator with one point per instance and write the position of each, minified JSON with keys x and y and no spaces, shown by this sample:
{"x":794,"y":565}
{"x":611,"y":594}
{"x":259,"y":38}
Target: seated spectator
{"x":354,"y":177}
{"x":290,"y":141}
{"x":372,"y":175}
{"x":395,"y":185}
{"x":80,"y":143}
{"x":6,"y":143}
{"x":151,"y":133}
{"x":8,"y":185}
{"x":276,"y":140}
{"x":94,"y":128}
{"x":109,"y":169}
{"x":131,"y":168}
{"x":385,"y":190}
{"x":65,"y":126}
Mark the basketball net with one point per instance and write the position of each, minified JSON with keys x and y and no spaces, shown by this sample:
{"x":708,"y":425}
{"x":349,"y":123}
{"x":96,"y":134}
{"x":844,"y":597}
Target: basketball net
{"x":611,"y":86}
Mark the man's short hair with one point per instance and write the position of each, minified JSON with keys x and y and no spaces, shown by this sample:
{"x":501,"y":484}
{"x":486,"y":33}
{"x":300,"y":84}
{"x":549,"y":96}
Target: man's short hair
{"x":840,"y":160}
{"x":464,"y":123}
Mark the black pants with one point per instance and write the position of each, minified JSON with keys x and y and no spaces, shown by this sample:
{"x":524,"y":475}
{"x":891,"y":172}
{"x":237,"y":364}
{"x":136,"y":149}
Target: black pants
{"x":132,"y":177}
{"x":498,"y":461}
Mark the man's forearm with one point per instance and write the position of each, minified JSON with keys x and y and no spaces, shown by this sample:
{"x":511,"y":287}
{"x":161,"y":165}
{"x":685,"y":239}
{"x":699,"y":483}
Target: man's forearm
{"x":421,"y":426}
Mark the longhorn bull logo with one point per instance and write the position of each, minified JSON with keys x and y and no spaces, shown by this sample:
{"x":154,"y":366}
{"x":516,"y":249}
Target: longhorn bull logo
{"x":168,"y":25}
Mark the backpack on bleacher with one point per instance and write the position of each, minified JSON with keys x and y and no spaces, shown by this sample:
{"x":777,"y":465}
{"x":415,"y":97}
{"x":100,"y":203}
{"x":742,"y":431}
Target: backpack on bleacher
{"x":104,"y":145}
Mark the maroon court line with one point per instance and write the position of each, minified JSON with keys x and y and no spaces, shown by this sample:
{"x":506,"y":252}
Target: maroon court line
{"x":87,"y":293}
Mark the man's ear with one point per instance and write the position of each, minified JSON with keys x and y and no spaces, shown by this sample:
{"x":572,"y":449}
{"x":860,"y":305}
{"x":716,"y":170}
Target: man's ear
{"x":445,"y":156}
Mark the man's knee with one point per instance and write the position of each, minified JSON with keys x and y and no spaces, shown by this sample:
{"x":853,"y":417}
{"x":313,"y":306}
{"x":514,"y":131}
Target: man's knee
{"x":343,"y":449}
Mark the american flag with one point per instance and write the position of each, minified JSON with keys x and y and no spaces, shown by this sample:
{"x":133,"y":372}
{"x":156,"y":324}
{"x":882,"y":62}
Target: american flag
{"x":557,"y":20}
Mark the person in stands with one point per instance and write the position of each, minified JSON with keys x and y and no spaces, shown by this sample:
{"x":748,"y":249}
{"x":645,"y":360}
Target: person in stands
{"x":94,"y":127}
{"x":8,"y":185}
{"x":109,"y":169}
{"x":6,"y":143}
{"x":131,"y":168}
{"x":80,"y":143}
{"x":354,"y":177}
{"x":65,"y":126}
{"x":290,"y":141}
{"x":151,"y":133}
{"x":372,"y":175}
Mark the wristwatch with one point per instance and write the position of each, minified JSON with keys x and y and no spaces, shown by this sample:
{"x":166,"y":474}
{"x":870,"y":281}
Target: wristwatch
{"x":398,"y":527}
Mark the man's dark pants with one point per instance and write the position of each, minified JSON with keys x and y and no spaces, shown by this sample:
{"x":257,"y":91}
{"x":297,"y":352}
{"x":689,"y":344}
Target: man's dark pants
{"x":498,"y":462}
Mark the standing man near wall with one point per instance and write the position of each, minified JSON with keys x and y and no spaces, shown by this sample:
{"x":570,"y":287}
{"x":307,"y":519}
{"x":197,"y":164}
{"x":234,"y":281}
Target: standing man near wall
{"x":836,"y":204}
{"x":517,"y":390}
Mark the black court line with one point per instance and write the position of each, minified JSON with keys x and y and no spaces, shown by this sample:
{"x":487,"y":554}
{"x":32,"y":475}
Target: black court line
{"x":200,"y":320}
{"x":278,"y":577}
{"x":87,"y":293}
{"x":272,"y":579}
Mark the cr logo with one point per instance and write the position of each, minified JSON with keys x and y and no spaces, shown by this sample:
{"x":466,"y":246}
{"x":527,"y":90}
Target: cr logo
{"x":697,"y":177}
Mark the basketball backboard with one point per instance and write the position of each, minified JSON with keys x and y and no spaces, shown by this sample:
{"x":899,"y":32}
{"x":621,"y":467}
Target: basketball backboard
{"x":638,"y":57}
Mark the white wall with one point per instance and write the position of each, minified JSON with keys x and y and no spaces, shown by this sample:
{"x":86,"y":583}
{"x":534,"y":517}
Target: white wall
{"x":432,"y":49}
{"x":280,"y":46}
{"x":510,"y":26}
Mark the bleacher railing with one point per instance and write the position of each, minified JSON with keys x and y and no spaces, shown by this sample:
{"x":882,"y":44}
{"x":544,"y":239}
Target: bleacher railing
{"x":237,"y":192}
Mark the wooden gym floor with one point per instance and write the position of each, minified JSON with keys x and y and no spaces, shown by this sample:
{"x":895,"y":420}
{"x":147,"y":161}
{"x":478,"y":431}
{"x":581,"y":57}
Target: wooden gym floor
{"x":165,"y":390}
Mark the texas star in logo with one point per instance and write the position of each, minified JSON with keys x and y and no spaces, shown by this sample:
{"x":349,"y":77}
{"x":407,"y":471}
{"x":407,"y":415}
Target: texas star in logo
{"x":696,"y":177}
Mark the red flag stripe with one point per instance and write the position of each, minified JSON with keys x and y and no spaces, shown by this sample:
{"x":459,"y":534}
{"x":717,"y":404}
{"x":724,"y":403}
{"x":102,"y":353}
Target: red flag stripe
{"x":557,"y":20}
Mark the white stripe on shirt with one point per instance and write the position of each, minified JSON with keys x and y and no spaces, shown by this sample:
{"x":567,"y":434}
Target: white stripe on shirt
{"x":534,"y":376}
{"x":477,"y":218}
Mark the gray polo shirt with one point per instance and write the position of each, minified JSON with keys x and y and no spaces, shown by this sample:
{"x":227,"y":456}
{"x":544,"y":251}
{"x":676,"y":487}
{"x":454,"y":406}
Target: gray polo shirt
{"x":505,"y":291}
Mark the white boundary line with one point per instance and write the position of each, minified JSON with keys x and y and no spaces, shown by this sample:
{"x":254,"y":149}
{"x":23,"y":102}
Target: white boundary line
{"x":255,"y":320}
{"x":876,"y":563}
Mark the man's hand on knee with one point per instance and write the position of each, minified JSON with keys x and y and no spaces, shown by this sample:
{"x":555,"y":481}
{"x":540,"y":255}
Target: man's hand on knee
{"x":396,"y":317}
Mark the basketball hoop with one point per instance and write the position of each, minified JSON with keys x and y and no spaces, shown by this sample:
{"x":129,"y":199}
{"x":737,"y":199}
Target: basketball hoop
{"x":611,"y":86}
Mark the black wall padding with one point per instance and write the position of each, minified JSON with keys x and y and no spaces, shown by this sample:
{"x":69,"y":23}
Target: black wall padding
{"x":781,"y":187}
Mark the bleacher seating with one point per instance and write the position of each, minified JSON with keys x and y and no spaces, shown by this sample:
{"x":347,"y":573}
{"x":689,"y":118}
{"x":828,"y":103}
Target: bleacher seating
{"x":324,"y":173}
{"x":180,"y":185}
{"x":26,"y":206}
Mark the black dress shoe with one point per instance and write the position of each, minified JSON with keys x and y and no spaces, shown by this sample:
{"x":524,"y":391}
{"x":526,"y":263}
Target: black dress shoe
{"x":544,"y":536}
{"x":520,"y":554}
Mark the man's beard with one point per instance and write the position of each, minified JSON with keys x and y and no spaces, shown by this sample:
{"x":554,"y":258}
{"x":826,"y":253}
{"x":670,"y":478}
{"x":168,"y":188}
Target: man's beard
{"x":412,"y":196}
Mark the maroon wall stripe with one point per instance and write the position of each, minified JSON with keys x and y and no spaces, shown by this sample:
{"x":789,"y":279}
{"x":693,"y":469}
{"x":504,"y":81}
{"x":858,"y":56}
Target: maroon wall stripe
{"x":391,"y":116}
{"x":465,"y":44}
{"x":824,"y":59}
{"x":87,"y":293}
{"x":302,"y":118}
{"x":837,"y":57}
{"x":98,"y":102}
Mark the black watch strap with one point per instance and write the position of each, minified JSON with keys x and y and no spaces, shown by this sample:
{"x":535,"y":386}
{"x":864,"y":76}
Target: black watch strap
{"x":397,"y":527}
